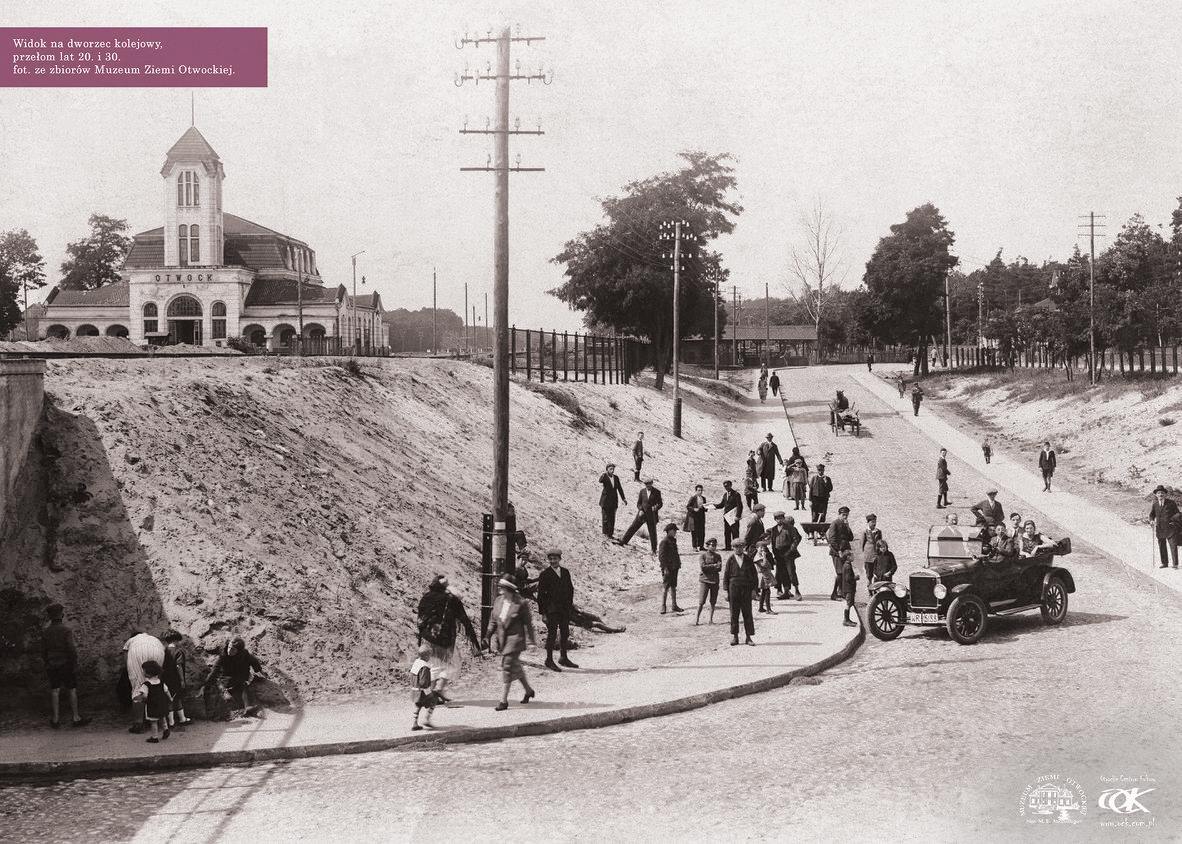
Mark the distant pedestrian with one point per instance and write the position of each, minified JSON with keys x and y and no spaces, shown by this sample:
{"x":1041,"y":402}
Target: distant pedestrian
{"x":916,"y":397}
{"x":140,"y":648}
{"x":869,"y":546}
{"x":670,"y":559}
{"x":556,"y":601}
{"x":942,"y":475}
{"x":900,"y":383}
{"x":441,"y":615}
{"x":731,"y":506}
{"x":870,"y":361}
{"x":1047,"y":462}
{"x":423,"y":696}
{"x":839,"y":536}
{"x":848,"y":580}
{"x":753,"y":528}
{"x":235,"y":671}
{"x":796,"y":476}
{"x":765,"y":562}
{"x":786,"y":548}
{"x":175,"y":676}
{"x":762,"y":389}
{"x":611,"y":496}
{"x":820,"y":488}
{"x":751,"y":490}
{"x":1164,"y":518}
{"x":774,"y":383}
{"x":695,"y":518}
{"x":710,"y":563}
{"x":989,"y":511}
{"x":885,"y":564}
{"x":60,"y":652}
{"x":769,"y":456}
{"x":987,"y":450}
{"x":510,"y":625}
{"x":740,"y":580}
{"x":638,"y":454}
{"x":648,"y":509}
{"x":156,"y":698}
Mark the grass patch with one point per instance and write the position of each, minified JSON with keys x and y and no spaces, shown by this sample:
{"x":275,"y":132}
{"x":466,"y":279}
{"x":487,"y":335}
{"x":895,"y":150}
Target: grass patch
{"x":580,"y":419}
{"x":352,"y":367}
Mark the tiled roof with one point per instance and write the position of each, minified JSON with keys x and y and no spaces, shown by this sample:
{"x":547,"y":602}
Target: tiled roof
{"x":113,"y":295}
{"x":777,"y":332}
{"x":146,"y":251}
{"x":247,"y":245}
{"x":282,"y":291}
{"x":191,"y":146}
{"x":365,"y":300}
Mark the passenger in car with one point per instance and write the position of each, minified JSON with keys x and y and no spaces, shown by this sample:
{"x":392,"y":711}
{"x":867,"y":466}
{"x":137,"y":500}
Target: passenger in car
{"x":1032,"y":542}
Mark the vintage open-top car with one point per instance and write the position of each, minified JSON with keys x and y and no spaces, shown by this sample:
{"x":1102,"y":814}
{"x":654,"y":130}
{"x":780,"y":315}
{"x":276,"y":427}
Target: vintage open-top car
{"x":959,"y":589}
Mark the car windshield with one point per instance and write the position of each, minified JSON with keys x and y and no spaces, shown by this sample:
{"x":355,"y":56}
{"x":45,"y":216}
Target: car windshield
{"x":953,"y":542}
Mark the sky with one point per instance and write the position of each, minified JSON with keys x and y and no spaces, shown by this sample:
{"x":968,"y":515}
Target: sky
{"x":1012,"y":118}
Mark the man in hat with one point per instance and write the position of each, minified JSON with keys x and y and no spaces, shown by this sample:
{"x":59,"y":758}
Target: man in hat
{"x":989,"y":512}
{"x":638,"y":454}
{"x":785,"y":547}
{"x":820,"y":488}
{"x":769,"y":455}
{"x":1164,"y":518}
{"x":754,"y":530}
{"x":610,"y":497}
{"x":942,"y":474}
{"x":510,"y":625}
{"x":839,"y":536}
{"x":869,"y":548}
{"x":739,"y":580}
{"x":731,"y":503}
{"x":695,"y":518}
{"x":670,"y":559}
{"x":916,"y":397}
{"x":1047,"y":462}
{"x":556,"y":599}
{"x":648,"y":510}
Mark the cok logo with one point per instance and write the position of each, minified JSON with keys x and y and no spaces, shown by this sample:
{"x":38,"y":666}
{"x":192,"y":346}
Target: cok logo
{"x":1124,"y":801}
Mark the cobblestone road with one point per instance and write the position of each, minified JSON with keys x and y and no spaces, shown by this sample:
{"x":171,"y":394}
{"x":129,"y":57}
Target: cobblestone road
{"x":919,"y":738}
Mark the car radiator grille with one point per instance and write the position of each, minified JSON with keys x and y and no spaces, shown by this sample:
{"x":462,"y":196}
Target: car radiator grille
{"x":923,"y":592}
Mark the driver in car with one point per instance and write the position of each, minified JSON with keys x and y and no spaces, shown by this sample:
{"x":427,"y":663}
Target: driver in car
{"x":1032,"y":542}
{"x":1000,"y":548}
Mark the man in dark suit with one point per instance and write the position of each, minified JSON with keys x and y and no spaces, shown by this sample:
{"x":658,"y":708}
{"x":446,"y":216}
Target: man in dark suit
{"x":754,"y":530}
{"x":820,"y":488}
{"x":648,"y":510}
{"x":556,"y":598}
{"x":638,"y":453}
{"x":610,"y":498}
{"x":1164,"y":518}
{"x":989,"y":512}
{"x":942,"y":475}
{"x":739,"y":581}
{"x":670,"y":560}
{"x":731,"y":500}
{"x":1046,"y":464}
{"x":839,"y":536}
{"x":769,"y":455}
{"x":785,"y":547}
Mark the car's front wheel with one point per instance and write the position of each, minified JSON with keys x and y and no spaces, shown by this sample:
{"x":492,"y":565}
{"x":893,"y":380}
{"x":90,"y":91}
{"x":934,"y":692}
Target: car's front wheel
{"x":1054,"y":601}
{"x":886,"y":616}
{"x":967,"y":619}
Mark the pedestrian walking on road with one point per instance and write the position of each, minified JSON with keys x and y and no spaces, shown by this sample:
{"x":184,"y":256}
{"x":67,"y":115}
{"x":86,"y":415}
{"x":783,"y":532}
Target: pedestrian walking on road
{"x":916,"y":397}
{"x":423,"y":696}
{"x":60,"y":652}
{"x":989,"y":511}
{"x":769,"y":456}
{"x":710,"y":563}
{"x":140,"y":648}
{"x":156,"y":698}
{"x":766,"y":563}
{"x":987,"y":450}
{"x":740,"y":581}
{"x":1047,"y":462}
{"x":441,"y":615}
{"x":175,"y":676}
{"x":900,"y":383}
{"x":870,"y":361}
{"x":820,"y":488}
{"x":510,"y":626}
{"x":751,"y":491}
{"x":762,"y":390}
{"x":885,"y":564}
{"x":670,"y":559}
{"x":1165,"y":520}
{"x":839,"y":536}
{"x":611,"y":496}
{"x":638,"y":454}
{"x":731,"y":506}
{"x":848,"y":579}
{"x":556,"y":601}
{"x":786,"y":547}
{"x":753,"y":528}
{"x":942,"y":475}
{"x":648,"y":509}
{"x":774,"y":383}
{"x":869,"y":546}
{"x":695,"y":518}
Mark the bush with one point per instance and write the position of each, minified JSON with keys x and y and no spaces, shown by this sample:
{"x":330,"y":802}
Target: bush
{"x":352,"y":367}
{"x":241,"y":344}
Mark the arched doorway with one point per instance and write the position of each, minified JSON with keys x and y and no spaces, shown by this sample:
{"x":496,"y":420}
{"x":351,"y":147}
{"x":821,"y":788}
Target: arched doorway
{"x":256,"y":334}
{"x":184,"y":320}
{"x":283,"y":335}
{"x":117,"y":331}
{"x":57,"y":332}
{"x":86,"y":330}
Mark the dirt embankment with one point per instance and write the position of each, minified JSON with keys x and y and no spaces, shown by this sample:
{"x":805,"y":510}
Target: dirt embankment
{"x":306,"y":508}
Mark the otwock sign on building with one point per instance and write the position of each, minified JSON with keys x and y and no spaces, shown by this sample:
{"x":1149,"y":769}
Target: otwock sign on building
{"x":207,"y":275}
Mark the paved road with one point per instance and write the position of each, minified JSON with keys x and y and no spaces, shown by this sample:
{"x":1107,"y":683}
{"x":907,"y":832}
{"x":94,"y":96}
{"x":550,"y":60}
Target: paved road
{"x":919,"y":738}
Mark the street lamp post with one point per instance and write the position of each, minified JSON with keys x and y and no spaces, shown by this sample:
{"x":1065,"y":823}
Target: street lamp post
{"x":353,"y":301}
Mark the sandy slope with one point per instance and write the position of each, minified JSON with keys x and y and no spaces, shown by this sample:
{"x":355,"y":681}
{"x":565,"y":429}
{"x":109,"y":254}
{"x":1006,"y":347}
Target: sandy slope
{"x":306,"y":508}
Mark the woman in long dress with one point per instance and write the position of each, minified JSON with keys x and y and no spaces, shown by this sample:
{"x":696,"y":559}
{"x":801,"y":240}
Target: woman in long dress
{"x":441,"y":614}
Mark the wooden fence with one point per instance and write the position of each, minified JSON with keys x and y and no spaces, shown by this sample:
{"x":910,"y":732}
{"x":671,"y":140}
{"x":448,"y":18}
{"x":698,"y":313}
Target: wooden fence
{"x":566,"y":356}
{"x":1155,"y":361}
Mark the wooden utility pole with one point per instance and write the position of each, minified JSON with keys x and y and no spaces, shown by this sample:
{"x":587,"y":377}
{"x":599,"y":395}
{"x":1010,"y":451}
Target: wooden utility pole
{"x":434,"y":316}
{"x":1091,"y":227}
{"x":467,"y":336}
{"x":714,"y":294}
{"x":300,"y":307}
{"x":486,"y":315}
{"x":673,"y":231}
{"x":767,"y":326}
{"x":947,"y":320}
{"x":353,"y":301}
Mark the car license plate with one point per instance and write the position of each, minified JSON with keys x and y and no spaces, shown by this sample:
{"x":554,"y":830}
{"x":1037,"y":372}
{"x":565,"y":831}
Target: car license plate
{"x":923,"y":618}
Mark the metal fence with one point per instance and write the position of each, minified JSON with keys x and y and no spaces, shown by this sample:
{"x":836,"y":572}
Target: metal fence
{"x":566,"y":356}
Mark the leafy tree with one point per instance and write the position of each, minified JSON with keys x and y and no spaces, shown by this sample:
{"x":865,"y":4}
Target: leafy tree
{"x":905,"y":281}
{"x":614,"y":272}
{"x":95,"y":260}
{"x":21,"y":269}
{"x":412,"y":330}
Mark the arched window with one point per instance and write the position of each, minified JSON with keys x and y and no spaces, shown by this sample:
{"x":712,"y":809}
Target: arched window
{"x":182,"y":240}
{"x":184,"y":307}
{"x":218,"y":310}
{"x":150,"y":322}
{"x":194,"y":244}
{"x":86,"y":331}
{"x":57,"y":332}
{"x":256,"y":334}
{"x":188,"y":192}
{"x":116,"y":331}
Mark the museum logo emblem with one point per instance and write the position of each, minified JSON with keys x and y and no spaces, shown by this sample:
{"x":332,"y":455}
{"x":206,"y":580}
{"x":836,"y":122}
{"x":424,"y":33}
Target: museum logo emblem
{"x":1053,"y":799}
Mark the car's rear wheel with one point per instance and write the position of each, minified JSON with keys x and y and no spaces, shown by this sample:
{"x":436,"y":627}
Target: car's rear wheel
{"x":886,"y":616}
{"x":967,"y":619}
{"x":1054,"y":601}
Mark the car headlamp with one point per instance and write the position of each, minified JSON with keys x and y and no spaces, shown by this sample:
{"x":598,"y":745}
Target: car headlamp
{"x":940,"y":591}
{"x":900,"y":590}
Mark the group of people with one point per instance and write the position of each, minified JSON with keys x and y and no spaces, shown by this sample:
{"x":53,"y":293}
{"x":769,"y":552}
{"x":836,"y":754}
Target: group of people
{"x":766,"y":381}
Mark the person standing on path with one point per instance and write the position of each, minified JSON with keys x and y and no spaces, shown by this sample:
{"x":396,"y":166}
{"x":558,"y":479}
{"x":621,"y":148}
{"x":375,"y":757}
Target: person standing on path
{"x":754,"y":530}
{"x":739,"y":581}
{"x":786,"y":547}
{"x":60,"y":652}
{"x":839,"y":536}
{"x":769,"y":456}
{"x":140,"y":648}
{"x":556,"y":600}
{"x":422,"y":697}
{"x":156,"y":698}
{"x":989,"y":512}
{"x":648,"y":509}
{"x":916,"y":397}
{"x":870,"y":361}
{"x":751,"y":490}
{"x":766,"y":563}
{"x":695,"y":518}
{"x":820,"y":488}
{"x":670,"y":559}
{"x":885,"y":564}
{"x":638,"y":454}
{"x":710,"y":562}
{"x":1164,"y":518}
{"x":848,"y":579}
{"x":900,"y":383}
{"x":1047,"y":462}
{"x":762,"y":390}
{"x":731,"y":506}
{"x":176,"y":678}
{"x":611,"y":496}
{"x":942,"y":475}
{"x":871,"y":536}
{"x":987,"y":450}
{"x":510,"y":626}
{"x":774,"y":383}
{"x":440,"y":615}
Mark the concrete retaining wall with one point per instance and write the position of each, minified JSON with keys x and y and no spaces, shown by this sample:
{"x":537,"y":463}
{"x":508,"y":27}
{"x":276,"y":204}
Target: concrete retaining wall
{"x":22,"y":394}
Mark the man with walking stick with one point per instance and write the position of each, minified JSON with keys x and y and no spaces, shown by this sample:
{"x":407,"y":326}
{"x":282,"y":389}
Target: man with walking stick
{"x":1164,"y":519}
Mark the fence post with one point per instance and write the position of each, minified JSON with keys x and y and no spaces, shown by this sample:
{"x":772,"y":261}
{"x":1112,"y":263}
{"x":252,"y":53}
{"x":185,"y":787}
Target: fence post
{"x":1141,"y":359}
{"x":528,"y":356}
{"x":1175,"y":360}
{"x":1153,"y":361}
{"x":513,"y":350}
{"x":553,"y":355}
{"x":565,"y":352}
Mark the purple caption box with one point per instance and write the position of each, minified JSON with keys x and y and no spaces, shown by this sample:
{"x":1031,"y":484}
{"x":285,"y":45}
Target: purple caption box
{"x":133,"y":57}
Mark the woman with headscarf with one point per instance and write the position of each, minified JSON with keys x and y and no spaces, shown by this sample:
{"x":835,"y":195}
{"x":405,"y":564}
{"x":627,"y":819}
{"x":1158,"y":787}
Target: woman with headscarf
{"x":140,"y":648}
{"x":440,"y":614}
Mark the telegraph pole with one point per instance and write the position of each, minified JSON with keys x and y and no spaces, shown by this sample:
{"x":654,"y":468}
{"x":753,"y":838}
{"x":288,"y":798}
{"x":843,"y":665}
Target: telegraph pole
{"x":675,"y":231}
{"x":434,"y":316}
{"x":500,"y":482}
{"x":300,"y":306}
{"x":467,"y":337}
{"x":767,"y":326}
{"x":947,"y":321}
{"x":486,"y":314}
{"x":717,"y":301}
{"x":1091,"y":227}
{"x":353,"y":301}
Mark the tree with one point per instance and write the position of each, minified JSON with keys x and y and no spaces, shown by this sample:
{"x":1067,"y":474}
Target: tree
{"x":412,"y":330}
{"x":94,"y":261}
{"x":815,"y":263}
{"x":21,"y":269}
{"x":614,"y":273}
{"x":905,"y":281}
